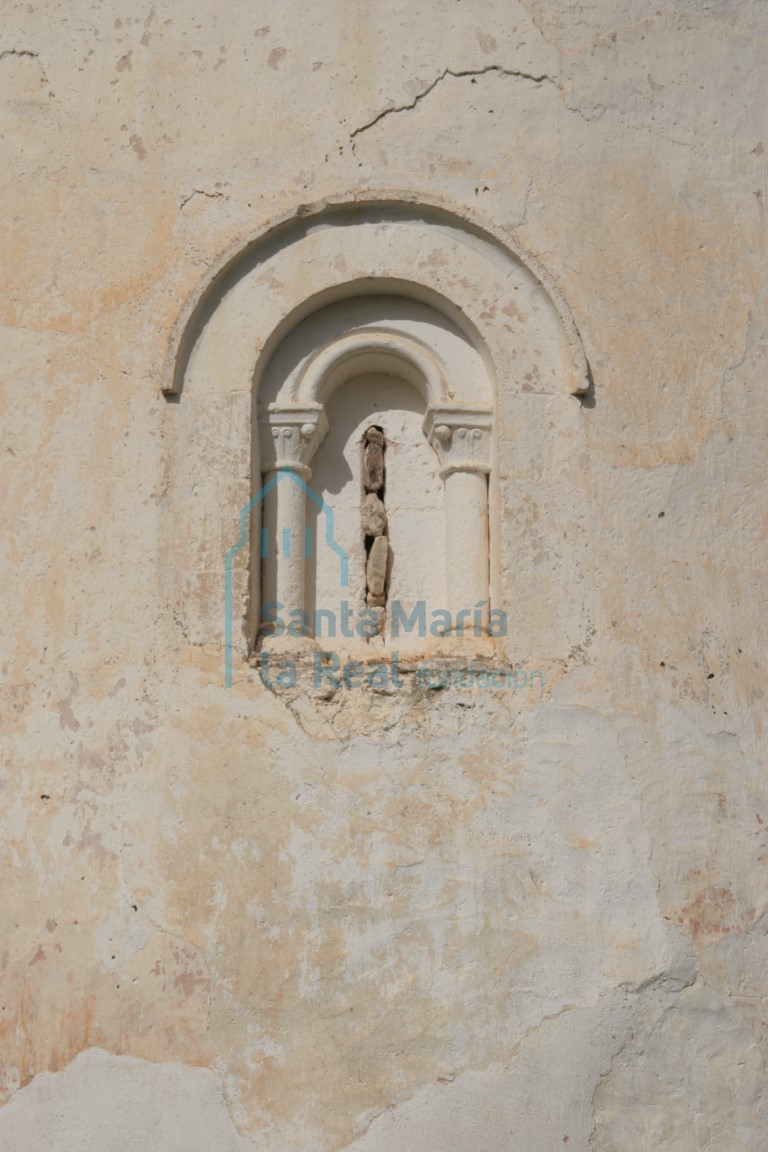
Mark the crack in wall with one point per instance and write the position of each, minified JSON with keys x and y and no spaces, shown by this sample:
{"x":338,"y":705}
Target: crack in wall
{"x":19,"y":52}
{"x":455,"y":1077}
{"x":27,"y":53}
{"x":200,"y":192}
{"x":497,"y":68}
{"x":636,"y":995}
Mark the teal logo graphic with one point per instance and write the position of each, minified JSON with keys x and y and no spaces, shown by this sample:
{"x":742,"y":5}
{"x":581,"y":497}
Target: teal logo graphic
{"x":328,"y":672}
{"x":284,"y":545}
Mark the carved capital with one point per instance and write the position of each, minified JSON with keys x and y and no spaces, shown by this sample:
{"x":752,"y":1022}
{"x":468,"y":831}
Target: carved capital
{"x":290,"y":436}
{"x":461,"y":437}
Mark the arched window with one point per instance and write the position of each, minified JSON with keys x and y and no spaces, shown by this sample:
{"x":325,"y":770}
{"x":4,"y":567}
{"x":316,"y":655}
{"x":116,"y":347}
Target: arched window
{"x":376,"y":428}
{"x":434,"y":328}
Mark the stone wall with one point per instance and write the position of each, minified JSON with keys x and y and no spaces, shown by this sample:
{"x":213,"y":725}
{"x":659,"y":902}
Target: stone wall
{"x":525,"y":912}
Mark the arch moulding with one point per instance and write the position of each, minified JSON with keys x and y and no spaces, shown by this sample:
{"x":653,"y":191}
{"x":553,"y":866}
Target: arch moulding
{"x":397,"y":288}
{"x":383,"y":211}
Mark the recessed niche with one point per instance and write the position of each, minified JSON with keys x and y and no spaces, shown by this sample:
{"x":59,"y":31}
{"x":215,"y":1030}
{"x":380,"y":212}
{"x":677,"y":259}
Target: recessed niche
{"x":393,"y":372}
{"x":445,"y":335}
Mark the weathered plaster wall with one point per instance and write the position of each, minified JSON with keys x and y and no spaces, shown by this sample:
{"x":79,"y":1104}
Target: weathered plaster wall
{"x":450,"y":920}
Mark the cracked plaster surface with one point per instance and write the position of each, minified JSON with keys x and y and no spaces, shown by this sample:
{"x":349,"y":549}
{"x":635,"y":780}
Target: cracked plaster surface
{"x":495,"y":68}
{"x":231,"y":921}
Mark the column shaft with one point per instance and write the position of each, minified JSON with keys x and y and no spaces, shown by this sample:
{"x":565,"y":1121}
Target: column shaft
{"x":466,"y":508}
{"x":285,"y":508}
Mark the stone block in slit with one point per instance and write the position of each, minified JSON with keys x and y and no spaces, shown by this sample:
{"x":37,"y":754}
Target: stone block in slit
{"x":373,"y":467}
{"x":376,"y":568}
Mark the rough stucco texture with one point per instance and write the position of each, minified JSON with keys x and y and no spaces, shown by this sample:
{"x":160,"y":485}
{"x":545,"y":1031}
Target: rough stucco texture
{"x":493,"y":920}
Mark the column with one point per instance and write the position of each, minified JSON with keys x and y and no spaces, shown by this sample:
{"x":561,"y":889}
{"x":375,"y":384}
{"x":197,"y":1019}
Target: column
{"x":462,"y":441}
{"x":289,"y":437}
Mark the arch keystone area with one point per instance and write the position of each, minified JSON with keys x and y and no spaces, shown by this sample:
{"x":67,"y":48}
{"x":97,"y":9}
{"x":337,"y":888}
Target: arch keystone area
{"x":478,"y":275}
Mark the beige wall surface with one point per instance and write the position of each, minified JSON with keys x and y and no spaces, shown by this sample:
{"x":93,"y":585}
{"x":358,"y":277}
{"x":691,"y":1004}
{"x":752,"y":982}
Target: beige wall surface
{"x":475,"y":918}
